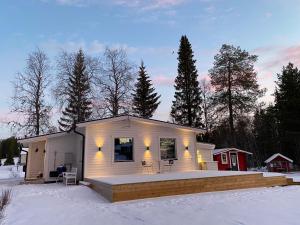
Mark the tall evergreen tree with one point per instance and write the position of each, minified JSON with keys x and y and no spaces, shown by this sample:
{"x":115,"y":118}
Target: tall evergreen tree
{"x":287,"y":104}
{"x":145,"y":99}
{"x":235,"y":82}
{"x":78,"y":91}
{"x":265,"y":130}
{"x":186,"y":108}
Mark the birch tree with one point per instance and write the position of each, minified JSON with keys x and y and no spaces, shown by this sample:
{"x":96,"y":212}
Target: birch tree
{"x":29,"y":104}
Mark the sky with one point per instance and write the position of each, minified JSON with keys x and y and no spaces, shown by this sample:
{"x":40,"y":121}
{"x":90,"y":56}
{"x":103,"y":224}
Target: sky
{"x":148,"y":30}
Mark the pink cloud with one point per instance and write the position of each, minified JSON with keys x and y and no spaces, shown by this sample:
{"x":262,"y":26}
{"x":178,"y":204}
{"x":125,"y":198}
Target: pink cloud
{"x":163,"y":80}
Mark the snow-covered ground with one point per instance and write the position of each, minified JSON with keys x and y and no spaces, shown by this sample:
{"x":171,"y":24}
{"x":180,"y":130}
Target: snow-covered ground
{"x":294,"y":175}
{"x":50,"y":204}
{"x":11,"y":173}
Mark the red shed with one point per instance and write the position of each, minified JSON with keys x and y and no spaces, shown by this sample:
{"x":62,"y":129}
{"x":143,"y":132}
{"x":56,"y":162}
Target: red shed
{"x":231,"y":159}
{"x":279,"y":163}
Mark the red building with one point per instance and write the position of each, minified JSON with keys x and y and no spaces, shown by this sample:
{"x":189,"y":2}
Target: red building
{"x":231,"y":159}
{"x":279,"y":163}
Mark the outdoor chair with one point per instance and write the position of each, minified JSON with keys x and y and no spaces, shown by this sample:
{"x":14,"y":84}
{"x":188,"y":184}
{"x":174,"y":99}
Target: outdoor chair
{"x":70,"y":177}
{"x":169,"y":164}
{"x":148,"y":166}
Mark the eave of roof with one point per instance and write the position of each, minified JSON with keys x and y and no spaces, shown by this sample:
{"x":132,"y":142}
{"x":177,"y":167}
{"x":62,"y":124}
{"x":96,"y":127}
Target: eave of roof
{"x":135,"y":118}
{"x":41,"y":137}
{"x":222,"y":150}
{"x":276,"y":155}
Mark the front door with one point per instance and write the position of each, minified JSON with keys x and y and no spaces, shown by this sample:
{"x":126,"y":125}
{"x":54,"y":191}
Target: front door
{"x":233,"y":160}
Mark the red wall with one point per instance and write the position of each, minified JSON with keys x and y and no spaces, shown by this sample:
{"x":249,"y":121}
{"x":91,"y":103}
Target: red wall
{"x":242,"y":159}
{"x":285,"y":165}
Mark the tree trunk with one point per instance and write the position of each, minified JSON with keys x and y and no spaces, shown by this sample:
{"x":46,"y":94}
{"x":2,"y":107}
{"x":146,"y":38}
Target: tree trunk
{"x":231,"y":125}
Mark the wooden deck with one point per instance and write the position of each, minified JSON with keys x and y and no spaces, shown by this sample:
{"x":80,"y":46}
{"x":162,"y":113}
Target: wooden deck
{"x":115,"y":192}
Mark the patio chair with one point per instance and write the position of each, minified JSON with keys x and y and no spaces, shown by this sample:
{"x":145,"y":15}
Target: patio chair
{"x":70,"y":177}
{"x":148,"y":166}
{"x":169,"y":164}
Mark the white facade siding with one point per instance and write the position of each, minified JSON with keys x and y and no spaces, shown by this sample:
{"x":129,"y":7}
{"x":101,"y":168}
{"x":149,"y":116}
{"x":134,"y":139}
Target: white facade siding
{"x":35,"y":163}
{"x":56,"y":149}
{"x":143,"y":134}
{"x":205,"y":156}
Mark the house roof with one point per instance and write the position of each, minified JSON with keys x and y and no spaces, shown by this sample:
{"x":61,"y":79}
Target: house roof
{"x":221,"y":150}
{"x":140,"y":119}
{"x":276,"y":155}
{"x":41,"y":137}
{"x":107,"y":120}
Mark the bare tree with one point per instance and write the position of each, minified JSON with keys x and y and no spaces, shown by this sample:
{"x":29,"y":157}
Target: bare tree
{"x":29,"y":102}
{"x":206,"y":92}
{"x":116,"y":81}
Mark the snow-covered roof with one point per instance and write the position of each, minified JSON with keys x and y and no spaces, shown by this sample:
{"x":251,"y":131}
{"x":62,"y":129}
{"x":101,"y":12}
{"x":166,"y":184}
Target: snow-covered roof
{"x":221,"y":150}
{"x":276,"y":155}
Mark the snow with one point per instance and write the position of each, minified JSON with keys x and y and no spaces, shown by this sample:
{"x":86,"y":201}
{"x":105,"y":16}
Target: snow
{"x":50,"y":204}
{"x":294,"y":175}
{"x":139,"y":178}
{"x":9,"y":172}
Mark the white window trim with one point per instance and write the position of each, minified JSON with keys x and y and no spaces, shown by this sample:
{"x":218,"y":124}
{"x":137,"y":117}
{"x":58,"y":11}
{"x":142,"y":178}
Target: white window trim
{"x":113,"y":150}
{"x":176,"y":153}
{"x":226,"y":161}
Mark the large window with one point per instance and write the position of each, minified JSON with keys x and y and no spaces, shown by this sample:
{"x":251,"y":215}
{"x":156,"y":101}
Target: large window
{"x":167,"y":148}
{"x":123,"y":149}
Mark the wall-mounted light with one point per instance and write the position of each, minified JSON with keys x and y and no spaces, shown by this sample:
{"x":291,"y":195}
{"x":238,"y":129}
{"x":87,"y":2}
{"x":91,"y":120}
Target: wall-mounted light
{"x":36,"y":150}
{"x":186,"y":147}
{"x":99,"y":149}
{"x":44,"y":151}
{"x":147,"y":148}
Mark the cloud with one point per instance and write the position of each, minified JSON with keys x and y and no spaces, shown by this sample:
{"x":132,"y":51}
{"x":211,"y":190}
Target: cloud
{"x":163,"y":80}
{"x":141,"y":4}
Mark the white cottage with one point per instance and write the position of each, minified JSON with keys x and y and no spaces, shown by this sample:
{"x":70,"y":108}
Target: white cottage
{"x":118,"y":146}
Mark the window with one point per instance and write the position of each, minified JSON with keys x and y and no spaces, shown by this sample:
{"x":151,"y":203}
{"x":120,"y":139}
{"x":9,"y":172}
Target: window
{"x":167,"y":148}
{"x":224,"y":158}
{"x":123,"y":149}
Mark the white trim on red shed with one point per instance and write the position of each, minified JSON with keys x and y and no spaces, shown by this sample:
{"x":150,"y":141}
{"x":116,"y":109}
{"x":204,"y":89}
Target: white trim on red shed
{"x":223,"y":150}
{"x":280,"y":155}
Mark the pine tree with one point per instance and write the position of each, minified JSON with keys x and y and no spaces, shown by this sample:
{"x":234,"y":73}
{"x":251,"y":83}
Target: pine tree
{"x":186,"y":109}
{"x":287,"y":105}
{"x":145,"y":99}
{"x":235,"y":82}
{"x":79,"y":105}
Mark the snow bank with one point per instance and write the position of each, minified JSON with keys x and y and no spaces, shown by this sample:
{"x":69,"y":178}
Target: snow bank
{"x":77,"y":205}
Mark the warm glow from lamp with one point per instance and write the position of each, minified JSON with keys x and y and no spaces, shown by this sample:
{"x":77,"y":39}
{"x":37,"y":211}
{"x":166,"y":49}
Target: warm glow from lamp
{"x":99,"y":142}
{"x":186,"y":142}
{"x":99,"y":156}
{"x":147,"y":155}
{"x":186,"y":155}
{"x":147,"y":141}
{"x":199,"y":157}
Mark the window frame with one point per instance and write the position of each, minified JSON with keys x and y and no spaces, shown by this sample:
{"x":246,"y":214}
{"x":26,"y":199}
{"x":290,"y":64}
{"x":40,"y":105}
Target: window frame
{"x":114,"y":156}
{"x":222,"y":160}
{"x":176,"y":153}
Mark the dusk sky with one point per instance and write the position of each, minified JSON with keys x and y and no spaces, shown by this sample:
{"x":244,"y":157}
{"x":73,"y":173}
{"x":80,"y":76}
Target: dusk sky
{"x":149,"y":30}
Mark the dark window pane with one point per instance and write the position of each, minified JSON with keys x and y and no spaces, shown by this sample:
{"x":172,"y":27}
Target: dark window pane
{"x":167,"y":148}
{"x":123,"y":149}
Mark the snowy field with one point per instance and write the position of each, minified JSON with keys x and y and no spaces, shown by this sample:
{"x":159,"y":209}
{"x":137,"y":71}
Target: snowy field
{"x":49,"y":204}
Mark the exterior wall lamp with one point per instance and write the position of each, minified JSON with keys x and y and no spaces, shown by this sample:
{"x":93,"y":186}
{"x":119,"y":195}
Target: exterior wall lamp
{"x":147,"y":148}
{"x":99,"y":149}
{"x":187,"y":148}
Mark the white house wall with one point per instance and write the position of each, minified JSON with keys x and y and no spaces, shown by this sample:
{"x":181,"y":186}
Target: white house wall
{"x":101,"y":163}
{"x":56,"y":149}
{"x":35,"y":163}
